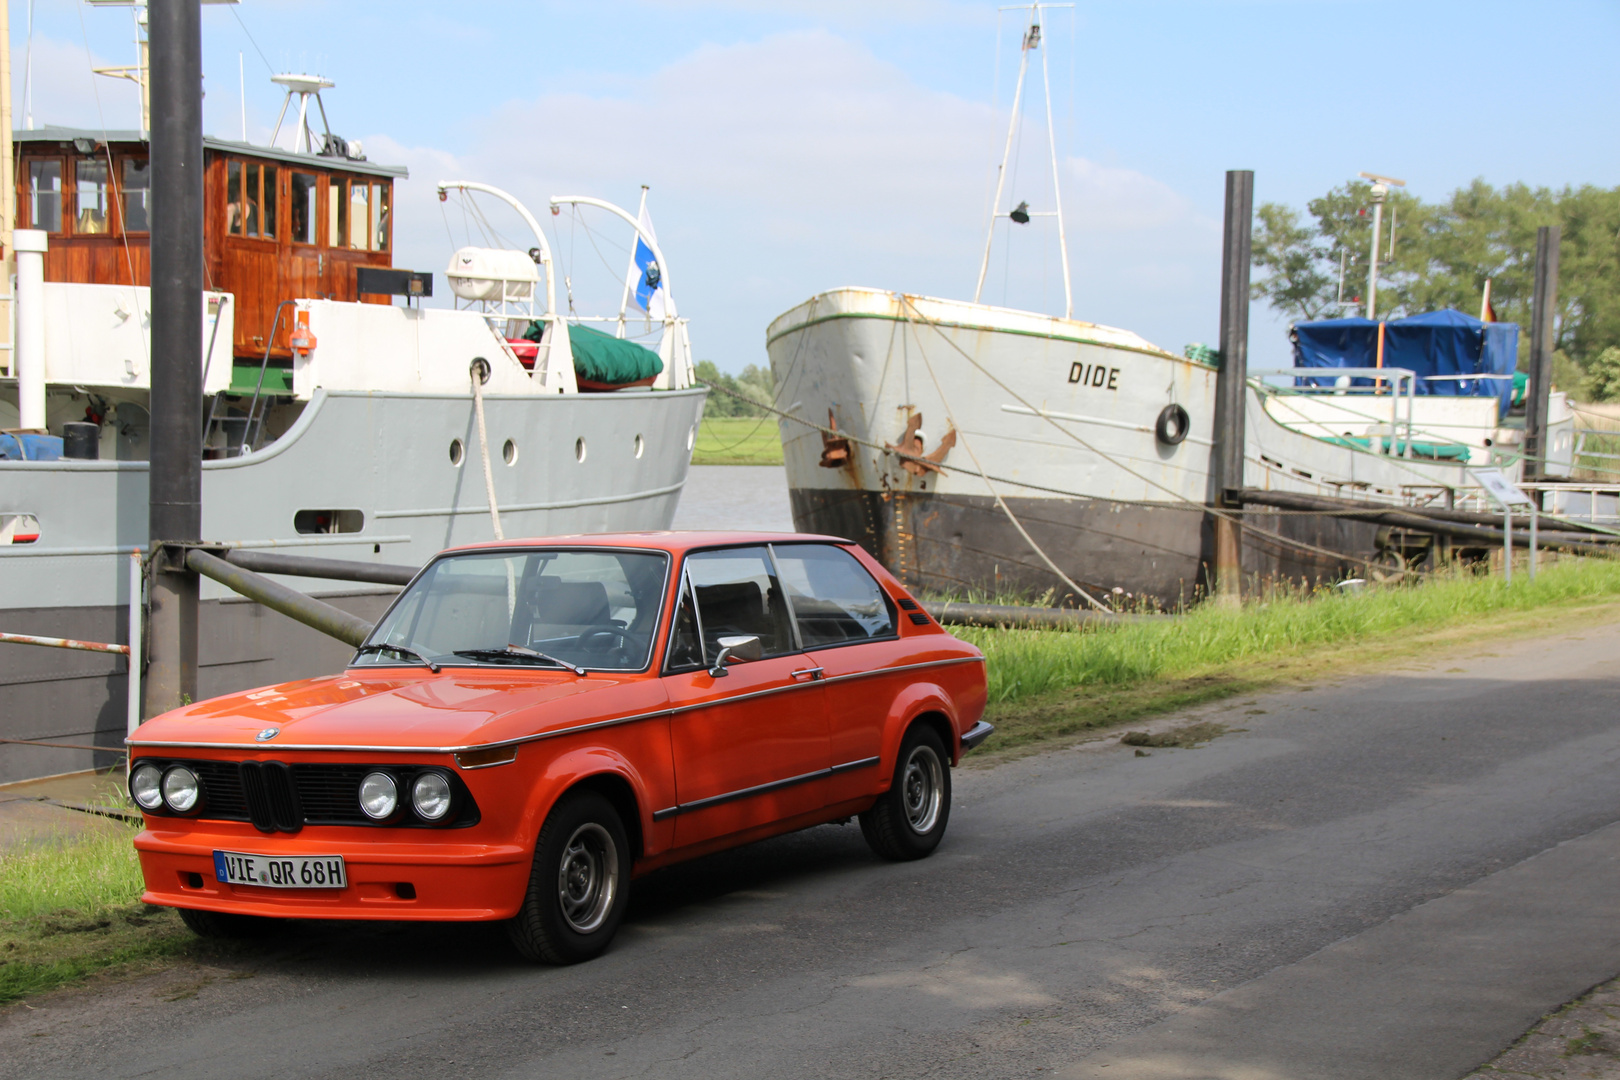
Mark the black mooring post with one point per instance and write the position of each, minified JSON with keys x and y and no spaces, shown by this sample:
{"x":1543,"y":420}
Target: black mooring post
{"x":1544,"y":307}
{"x":1231,"y":384}
{"x":175,"y":507}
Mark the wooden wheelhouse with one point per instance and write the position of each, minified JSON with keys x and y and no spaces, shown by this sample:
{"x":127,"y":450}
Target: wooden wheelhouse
{"x":279,"y":225}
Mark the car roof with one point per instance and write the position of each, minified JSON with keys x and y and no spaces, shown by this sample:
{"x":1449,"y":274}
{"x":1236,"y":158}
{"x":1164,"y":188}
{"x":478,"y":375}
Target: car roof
{"x":670,"y":541}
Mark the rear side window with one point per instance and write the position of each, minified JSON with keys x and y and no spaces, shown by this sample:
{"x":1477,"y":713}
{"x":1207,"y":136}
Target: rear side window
{"x":835,"y":600}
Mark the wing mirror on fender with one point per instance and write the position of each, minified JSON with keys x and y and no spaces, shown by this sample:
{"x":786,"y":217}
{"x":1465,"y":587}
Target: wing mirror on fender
{"x":738,"y":647}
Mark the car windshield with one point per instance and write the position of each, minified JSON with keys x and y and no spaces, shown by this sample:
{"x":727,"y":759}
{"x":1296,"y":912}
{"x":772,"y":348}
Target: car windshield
{"x":594,"y":608}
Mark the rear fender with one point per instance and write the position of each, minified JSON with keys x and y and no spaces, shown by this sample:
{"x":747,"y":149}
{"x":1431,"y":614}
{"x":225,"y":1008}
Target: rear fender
{"x":915,"y":700}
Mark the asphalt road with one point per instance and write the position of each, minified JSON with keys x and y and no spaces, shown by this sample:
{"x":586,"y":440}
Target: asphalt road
{"x":1388,"y":877}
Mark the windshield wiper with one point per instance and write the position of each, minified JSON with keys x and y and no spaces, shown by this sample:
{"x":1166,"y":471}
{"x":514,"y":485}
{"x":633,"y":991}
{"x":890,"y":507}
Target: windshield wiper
{"x":401,"y":649}
{"x":518,"y":652}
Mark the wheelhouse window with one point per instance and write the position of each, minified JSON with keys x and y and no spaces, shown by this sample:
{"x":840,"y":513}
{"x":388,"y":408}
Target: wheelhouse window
{"x":250,"y":199}
{"x":337,"y":212}
{"x":136,"y":194}
{"x":302,"y":215}
{"x":45,"y":194}
{"x":91,"y":197}
{"x":596,"y":608}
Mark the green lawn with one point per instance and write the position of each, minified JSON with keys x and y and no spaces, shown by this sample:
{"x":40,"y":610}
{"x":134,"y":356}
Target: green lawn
{"x":737,"y":440}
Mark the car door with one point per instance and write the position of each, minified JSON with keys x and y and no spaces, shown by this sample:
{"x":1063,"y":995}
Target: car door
{"x":750,"y":747}
{"x":846,"y":626}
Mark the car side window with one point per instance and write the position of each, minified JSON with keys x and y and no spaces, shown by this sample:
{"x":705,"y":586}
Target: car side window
{"x":736,"y":592}
{"x":685,"y":644}
{"x":835,"y":601}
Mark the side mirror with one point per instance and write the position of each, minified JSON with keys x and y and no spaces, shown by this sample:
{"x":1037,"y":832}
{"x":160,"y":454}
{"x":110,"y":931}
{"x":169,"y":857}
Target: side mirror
{"x":738,"y":647}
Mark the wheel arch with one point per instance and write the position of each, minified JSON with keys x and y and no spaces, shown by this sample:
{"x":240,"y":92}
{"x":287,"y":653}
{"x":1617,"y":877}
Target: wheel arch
{"x":921,"y":703}
{"x":616,"y":789}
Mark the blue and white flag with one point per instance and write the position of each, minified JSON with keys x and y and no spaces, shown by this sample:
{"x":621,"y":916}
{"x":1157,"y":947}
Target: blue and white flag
{"x":649,"y":292}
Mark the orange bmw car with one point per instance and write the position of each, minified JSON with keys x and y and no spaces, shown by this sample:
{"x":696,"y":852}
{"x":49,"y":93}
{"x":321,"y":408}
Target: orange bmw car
{"x":532,"y":724}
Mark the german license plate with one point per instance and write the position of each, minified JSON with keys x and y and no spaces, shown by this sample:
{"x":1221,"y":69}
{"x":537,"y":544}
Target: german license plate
{"x":280,"y":872}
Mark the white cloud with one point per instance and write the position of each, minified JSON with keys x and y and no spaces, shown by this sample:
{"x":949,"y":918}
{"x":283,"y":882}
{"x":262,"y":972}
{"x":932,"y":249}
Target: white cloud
{"x":65,"y":91}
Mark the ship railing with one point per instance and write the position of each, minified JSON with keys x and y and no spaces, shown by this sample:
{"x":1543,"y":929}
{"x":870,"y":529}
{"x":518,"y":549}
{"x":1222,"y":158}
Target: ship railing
{"x":1340,"y":386}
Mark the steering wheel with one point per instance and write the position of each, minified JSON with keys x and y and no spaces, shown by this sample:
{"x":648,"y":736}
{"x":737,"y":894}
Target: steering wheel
{"x":591,"y":640}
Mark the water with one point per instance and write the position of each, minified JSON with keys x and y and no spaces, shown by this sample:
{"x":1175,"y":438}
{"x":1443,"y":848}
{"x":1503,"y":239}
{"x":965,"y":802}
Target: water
{"x":737,"y":497}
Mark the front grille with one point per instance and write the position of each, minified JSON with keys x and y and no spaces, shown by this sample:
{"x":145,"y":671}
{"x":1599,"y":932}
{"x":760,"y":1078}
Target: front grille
{"x":330,"y":794}
{"x":272,"y":801}
{"x":278,"y":797}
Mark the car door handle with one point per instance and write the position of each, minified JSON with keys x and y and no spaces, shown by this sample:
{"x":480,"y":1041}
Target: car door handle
{"x":813,"y":673}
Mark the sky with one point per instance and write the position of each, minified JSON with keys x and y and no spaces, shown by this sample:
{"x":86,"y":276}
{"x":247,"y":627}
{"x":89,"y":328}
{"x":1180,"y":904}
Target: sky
{"x":798,"y":146}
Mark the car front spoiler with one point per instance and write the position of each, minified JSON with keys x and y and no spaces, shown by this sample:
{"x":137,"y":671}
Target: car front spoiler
{"x":976,"y":735}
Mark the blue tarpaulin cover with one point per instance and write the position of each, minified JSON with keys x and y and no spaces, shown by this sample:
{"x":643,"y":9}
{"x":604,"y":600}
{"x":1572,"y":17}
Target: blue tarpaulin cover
{"x":1439,"y":343}
{"x":30,"y":447}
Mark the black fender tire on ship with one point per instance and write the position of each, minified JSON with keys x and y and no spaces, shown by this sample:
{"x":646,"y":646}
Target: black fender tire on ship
{"x":1172,"y":425}
{"x":579,"y":885}
{"x":908,"y":821}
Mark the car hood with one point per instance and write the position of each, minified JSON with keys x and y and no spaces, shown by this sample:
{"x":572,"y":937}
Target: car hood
{"x":455,"y":708}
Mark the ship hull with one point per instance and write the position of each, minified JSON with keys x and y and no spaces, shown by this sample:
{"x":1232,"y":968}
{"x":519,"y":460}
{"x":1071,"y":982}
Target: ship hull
{"x":581,"y":463}
{"x":1057,"y":425}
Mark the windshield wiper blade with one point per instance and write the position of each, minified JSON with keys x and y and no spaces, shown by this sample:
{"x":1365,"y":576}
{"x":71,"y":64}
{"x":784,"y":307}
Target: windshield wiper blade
{"x":519,"y":652}
{"x":401,"y":649}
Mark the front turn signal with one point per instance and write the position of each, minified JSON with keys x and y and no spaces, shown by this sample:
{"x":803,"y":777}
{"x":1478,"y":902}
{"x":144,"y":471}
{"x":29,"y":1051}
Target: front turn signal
{"x":481,"y":759}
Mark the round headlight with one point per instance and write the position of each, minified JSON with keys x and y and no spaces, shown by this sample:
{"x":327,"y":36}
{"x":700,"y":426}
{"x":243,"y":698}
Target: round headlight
{"x":180,"y":789}
{"x":430,"y":795}
{"x":379,"y":796}
{"x":146,"y":786}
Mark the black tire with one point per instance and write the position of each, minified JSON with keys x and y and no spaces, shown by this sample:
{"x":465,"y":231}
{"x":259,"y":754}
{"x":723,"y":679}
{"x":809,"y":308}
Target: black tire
{"x":908,"y":821}
{"x":219,"y":924}
{"x":1171,"y":426}
{"x":579,"y":885}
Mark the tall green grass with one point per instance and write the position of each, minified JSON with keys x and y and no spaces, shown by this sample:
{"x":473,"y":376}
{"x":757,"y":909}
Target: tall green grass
{"x":89,"y":874}
{"x":1024,"y":663}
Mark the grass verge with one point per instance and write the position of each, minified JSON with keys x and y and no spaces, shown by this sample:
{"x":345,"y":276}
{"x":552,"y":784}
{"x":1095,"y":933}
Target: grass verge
{"x":68,"y":910}
{"x":737,"y":440}
{"x":1054,"y":684}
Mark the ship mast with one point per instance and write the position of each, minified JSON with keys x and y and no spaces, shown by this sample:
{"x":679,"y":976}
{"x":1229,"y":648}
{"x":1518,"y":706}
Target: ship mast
{"x":8,"y":193}
{"x":1021,"y":213}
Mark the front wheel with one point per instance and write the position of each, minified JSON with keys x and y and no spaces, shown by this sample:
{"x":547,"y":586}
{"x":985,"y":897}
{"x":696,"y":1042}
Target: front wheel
{"x":579,"y":884}
{"x":908,"y":820}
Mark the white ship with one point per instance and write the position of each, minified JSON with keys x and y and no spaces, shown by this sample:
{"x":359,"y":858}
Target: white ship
{"x":972,"y":447}
{"x":340,"y":423}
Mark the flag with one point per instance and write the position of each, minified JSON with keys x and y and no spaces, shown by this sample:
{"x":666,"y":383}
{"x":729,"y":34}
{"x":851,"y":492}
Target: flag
{"x":649,"y":291}
{"x":1487,"y":313}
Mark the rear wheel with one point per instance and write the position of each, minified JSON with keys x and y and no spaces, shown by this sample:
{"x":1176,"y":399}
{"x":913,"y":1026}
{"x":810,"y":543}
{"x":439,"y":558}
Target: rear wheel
{"x":579,"y":884}
{"x":908,"y":820}
{"x":220,"y":924}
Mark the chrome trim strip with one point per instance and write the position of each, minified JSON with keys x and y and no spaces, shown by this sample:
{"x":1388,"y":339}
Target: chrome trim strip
{"x":761,"y":789}
{"x":564,"y":504}
{"x":675,"y":711}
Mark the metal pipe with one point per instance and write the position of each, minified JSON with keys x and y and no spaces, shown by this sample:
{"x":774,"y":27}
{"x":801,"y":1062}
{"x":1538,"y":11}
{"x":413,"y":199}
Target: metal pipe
{"x":1378,"y":193}
{"x":174,"y":509}
{"x":137,"y":581}
{"x":1542,"y":312}
{"x":329,"y":620}
{"x":1231,"y":382}
{"x":28,"y":362}
{"x":269,"y":562}
{"x":955,"y":613}
{"x":65,"y":643}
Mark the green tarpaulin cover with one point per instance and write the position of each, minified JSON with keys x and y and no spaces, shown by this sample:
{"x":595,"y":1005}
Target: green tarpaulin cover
{"x":604,"y":358}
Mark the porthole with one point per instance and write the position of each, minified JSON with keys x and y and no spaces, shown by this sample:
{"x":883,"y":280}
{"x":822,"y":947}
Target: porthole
{"x":691,"y":436}
{"x":509,"y":452}
{"x":456,"y":452}
{"x":641,"y":445}
{"x":579,"y":449}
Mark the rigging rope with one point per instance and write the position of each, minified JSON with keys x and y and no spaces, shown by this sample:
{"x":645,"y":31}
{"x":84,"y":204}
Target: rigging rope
{"x":480,"y":371}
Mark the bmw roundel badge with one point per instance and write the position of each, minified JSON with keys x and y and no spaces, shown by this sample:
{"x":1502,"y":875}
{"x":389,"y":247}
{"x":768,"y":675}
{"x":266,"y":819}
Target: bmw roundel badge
{"x":267,"y":734}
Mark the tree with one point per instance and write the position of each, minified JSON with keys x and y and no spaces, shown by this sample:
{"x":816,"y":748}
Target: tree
{"x":755,"y":383}
{"x":1603,"y":376}
{"x":1443,"y":253}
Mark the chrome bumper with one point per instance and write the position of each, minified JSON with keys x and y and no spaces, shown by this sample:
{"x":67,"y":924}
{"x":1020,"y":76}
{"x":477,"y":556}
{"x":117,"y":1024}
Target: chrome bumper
{"x":976,"y":735}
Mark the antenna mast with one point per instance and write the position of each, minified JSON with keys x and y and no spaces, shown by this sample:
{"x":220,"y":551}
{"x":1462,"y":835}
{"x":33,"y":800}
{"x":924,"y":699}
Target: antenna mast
{"x":1021,"y":214}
